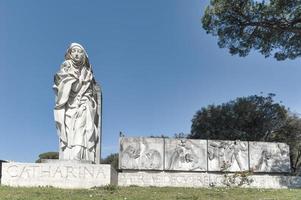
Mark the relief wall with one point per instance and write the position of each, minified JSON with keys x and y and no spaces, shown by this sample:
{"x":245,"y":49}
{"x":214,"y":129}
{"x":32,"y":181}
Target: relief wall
{"x":169,"y":154}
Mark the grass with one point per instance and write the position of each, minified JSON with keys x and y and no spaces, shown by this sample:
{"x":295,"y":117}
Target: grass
{"x":147,"y":193}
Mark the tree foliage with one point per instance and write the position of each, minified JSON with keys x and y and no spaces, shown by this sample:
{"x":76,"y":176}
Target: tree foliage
{"x":251,"y":118}
{"x":290,"y":133}
{"x":48,"y":155}
{"x":111,"y":159}
{"x":271,"y":27}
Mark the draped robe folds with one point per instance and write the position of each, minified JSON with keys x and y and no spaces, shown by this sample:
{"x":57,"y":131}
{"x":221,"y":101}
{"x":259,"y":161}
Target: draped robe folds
{"x":77,"y":113}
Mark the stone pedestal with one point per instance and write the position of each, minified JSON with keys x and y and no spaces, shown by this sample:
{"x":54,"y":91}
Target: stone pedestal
{"x":203,"y":179}
{"x":57,"y":174}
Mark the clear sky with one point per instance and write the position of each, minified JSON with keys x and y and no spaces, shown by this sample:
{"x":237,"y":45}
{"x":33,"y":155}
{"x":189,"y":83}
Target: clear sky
{"x":155,"y":63}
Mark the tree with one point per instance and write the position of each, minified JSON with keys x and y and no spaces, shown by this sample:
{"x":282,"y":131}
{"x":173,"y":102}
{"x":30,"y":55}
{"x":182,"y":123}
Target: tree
{"x":290,"y":133}
{"x":252,"y":118}
{"x":111,"y":159}
{"x":48,"y":155}
{"x":180,"y":135}
{"x":271,"y":27}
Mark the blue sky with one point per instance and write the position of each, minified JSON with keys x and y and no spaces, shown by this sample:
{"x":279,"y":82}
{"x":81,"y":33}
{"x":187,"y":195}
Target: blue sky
{"x":155,"y":63}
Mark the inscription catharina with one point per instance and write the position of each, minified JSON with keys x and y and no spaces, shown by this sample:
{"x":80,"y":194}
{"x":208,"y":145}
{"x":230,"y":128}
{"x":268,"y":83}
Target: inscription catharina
{"x":48,"y":171}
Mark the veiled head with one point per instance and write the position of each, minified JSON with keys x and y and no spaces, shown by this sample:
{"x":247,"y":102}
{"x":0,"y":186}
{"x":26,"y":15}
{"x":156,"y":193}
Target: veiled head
{"x":77,"y":54}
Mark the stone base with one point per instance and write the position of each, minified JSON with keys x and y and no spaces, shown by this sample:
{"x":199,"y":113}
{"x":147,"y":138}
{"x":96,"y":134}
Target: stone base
{"x":191,"y":179}
{"x":61,"y":175}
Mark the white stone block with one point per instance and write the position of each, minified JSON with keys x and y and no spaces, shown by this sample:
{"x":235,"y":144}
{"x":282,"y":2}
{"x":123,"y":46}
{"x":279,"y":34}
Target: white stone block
{"x":201,"y":179}
{"x":57,"y":175}
{"x":269,"y":157}
{"x":228,"y":155}
{"x":185,"y":155}
{"x":141,"y":153}
{"x":163,"y":179}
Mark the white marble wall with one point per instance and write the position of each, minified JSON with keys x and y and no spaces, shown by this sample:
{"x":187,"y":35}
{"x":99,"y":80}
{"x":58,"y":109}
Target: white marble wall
{"x":200,"y":179}
{"x":185,"y":155}
{"x":269,"y":157}
{"x":167,"y":154}
{"x":141,"y":153}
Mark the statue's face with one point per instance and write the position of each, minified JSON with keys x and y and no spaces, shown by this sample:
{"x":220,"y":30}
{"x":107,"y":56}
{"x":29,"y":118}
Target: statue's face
{"x":77,"y":54}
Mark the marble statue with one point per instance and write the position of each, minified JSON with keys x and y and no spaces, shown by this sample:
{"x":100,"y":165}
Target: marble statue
{"x":77,"y":110}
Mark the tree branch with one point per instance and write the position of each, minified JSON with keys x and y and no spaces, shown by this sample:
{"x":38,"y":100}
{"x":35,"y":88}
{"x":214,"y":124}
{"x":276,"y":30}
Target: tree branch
{"x":295,"y":21}
{"x":274,"y":26}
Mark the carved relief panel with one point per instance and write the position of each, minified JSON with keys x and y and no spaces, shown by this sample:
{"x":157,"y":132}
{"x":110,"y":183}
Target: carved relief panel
{"x":185,"y":155}
{"x":141,"y":153}
{"x":269,"y":157}
{"x":227,"y":155}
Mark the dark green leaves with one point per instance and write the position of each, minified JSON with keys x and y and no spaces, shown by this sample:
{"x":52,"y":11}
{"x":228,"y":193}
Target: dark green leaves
{"x":272,"y":27}
{"x":251,"y":118}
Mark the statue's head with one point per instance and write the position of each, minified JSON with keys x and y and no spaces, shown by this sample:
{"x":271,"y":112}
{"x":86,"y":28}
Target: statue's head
{"x":77,"y":54}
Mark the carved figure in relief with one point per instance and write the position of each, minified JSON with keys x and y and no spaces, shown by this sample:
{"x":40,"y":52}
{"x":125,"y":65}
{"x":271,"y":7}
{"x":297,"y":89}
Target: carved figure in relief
{"x":235,"y":148}
{"x":77,"y":109}
{"x":184,"y":157}
{"x":130,"y":157}
{"x":283,"y":150}
{"x":139,"y":155}
{"x":216,"y":150}
{"x":263,"y":161}
{"x":227,"y":153}
{"x":272,"y":158}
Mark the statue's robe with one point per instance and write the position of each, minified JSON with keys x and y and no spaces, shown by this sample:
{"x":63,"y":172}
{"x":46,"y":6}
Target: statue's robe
{"x":77,"y":113}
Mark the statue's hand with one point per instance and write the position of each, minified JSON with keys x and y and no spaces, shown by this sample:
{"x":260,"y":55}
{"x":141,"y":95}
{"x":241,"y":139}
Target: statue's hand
{"x":89,"y":75}
{"x":81,"y":109}
{"x":81,"y":77}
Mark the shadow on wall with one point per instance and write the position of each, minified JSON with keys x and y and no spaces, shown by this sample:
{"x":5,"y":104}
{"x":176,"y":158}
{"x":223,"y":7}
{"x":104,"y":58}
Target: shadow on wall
{"x":1,"y":161}
{"x":288,"y":180}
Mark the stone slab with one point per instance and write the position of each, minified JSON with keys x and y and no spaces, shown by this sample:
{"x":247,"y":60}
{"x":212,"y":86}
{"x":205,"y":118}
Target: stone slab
{"x":201,"y":179}
{"x":229,"y":156}
{"x":57,"y":175}
{"x":185,"y":155}
{"x":269,"y":157}
{"x":141,"y":153}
